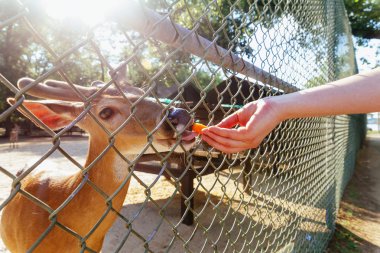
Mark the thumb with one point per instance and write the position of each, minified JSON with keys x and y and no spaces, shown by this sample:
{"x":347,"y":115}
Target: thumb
{"x":241,"y":117}
{"x":230,"y":121}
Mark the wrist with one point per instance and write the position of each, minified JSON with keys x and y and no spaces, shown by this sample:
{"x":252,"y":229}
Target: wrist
{"x":274,"y":105}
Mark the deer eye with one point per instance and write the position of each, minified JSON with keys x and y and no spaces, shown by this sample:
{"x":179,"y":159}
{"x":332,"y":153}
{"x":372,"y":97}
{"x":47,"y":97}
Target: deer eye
{"x":106,"y":113}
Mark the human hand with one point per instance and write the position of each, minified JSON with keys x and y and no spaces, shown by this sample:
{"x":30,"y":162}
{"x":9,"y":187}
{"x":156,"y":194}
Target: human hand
{"x":256,"y":120}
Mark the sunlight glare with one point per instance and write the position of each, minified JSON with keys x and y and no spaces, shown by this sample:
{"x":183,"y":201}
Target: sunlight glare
{"x":91,"y":12}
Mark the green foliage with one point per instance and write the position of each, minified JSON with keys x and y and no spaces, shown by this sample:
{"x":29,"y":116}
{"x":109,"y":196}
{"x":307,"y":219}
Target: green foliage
{"x":22,"y":53}
{"x":364,"y":16}
{"x":233,"y":24}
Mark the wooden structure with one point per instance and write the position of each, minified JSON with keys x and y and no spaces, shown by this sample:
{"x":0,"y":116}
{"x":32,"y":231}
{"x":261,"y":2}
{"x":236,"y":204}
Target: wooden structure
{"x":231,"y":93}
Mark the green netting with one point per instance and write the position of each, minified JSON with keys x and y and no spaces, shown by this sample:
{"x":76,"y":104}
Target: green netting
{"x":209,"y":58}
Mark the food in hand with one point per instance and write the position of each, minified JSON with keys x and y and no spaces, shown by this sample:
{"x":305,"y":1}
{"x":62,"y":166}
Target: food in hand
{"x":197,"y":127}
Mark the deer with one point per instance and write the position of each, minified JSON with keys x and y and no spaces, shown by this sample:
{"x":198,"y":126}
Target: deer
{"x":23,"y":222}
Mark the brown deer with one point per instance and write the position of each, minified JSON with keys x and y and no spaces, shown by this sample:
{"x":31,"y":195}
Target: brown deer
{"x":23,"y":222}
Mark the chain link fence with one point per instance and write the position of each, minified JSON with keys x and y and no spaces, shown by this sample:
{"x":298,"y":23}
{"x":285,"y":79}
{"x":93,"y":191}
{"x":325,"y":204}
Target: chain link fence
{"x":170,"y":63}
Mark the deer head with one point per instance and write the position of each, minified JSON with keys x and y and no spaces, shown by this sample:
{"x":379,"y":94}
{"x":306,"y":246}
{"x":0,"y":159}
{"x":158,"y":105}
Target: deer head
{"x":121,"y":112}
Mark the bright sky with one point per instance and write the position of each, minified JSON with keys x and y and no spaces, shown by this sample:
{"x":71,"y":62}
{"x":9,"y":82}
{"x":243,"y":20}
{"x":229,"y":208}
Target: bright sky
{"x":90,"y":12}
{"x":368,"y":53}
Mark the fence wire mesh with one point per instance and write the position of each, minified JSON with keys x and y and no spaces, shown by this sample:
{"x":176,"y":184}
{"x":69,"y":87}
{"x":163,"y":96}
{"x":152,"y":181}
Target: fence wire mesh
{"x":162,"y":65}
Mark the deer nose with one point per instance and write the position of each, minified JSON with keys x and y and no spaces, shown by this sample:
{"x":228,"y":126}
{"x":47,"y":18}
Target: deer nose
{"x":180,"y":119}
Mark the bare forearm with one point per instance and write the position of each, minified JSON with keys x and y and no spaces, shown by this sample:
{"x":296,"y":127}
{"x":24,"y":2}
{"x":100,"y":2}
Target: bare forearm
{"x":356,"y":94}
{"x":352,"y":95}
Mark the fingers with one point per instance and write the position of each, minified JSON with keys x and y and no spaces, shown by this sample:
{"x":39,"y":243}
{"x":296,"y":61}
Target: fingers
{"x":225,"y":140}
{"x":239,"y":117}
{"x":236,"y":134}
{"x":256,"y":121}
{"x":221,"y":146}
{"x":231,"y":121}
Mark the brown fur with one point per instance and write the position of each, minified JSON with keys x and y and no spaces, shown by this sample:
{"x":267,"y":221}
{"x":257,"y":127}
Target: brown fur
{"x":23,"y":222}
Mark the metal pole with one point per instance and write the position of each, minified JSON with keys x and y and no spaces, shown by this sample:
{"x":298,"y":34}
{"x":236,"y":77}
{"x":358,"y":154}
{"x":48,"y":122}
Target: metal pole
{"x":151,"y":24}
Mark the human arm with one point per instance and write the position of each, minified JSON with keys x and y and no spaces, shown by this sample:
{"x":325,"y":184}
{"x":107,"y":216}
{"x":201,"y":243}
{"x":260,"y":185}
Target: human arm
{"x":356,"y":94}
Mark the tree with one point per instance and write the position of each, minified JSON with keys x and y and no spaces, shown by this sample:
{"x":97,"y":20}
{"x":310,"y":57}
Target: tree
{"x":364,"y":16}
{"x":21,"y":54}
{"x":233,"y":23}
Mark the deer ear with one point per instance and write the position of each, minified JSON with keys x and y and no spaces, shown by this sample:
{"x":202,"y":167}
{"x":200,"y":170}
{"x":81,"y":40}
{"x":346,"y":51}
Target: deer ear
{"x":120,"y":75}
{"x":53,"y":89}
{"x":54,"y":114}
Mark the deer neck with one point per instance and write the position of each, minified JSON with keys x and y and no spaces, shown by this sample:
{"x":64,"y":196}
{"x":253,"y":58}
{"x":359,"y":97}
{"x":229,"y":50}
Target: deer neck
{"x":108,"y":169}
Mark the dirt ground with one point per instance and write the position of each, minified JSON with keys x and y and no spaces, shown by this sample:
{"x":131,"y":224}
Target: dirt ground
{"x":158,"y":219}
{"x":358,"y":225}
{"x":358,"y":228}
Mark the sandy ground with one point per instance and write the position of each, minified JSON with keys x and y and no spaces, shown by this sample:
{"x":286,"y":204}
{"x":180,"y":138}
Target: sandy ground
{"x":359,"y":214}
{"x":227,"y":217}
{"x":246,"y":221}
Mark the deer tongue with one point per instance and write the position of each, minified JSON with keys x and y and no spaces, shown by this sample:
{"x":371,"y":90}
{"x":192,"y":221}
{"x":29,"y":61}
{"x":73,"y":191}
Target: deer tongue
{"x":188,"y":135}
